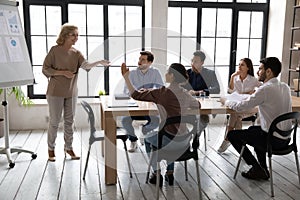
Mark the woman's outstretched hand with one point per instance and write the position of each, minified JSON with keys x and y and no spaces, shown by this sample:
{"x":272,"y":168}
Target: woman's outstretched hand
{"x":105,"y":63}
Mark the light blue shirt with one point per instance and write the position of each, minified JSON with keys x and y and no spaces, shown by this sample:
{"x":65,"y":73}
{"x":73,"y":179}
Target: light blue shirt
{"x":151,"y":79}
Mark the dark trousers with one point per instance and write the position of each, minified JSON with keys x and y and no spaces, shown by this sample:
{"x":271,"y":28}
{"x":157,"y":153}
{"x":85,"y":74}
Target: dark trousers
{"x":257,"y":138}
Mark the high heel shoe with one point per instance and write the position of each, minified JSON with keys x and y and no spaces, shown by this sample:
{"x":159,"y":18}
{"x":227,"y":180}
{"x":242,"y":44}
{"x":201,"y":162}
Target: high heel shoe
{"x":51,"y":155}
{"x":152,"y":180}
{"x":72,"y":154}
{"x":169,"y":178}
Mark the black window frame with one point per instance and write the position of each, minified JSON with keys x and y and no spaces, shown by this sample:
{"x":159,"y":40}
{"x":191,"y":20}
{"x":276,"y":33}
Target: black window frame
{"x":64,"y":6}
{"x":236,"y":7}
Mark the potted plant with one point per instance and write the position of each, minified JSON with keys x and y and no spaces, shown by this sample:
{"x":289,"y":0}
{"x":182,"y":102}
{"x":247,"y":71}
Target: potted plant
{"x":20,"y":97}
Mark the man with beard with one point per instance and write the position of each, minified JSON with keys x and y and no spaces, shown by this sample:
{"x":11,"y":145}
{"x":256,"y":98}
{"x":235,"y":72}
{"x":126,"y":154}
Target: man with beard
{"x":143,"y":77}
{"x":273,"y":98}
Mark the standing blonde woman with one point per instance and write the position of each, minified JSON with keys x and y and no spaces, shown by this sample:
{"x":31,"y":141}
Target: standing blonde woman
{"x":61,"y":67}
{"x":243,"y":82}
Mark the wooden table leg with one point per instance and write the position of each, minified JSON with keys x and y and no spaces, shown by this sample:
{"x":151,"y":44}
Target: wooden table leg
{"x":102,"y":125}
{"x":110,"y":150}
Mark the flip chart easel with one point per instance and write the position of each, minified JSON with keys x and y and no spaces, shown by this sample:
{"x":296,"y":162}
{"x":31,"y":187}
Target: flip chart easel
{"x":15,"y":65}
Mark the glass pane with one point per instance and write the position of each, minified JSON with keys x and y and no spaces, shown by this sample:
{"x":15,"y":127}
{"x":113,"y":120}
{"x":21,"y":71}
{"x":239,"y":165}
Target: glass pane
{"x":133,"y":14}
{"x":116,"y":81}
{"x":133,"y":44}
{"x":81,"y":45}
{"x":217,"y":0}
{"x":208,"y":46}
{"x":53,"y":14}
{"x":41,"y":81}
{"x":256,"y":25}
{"x":189,"y":21}
{"x":222,"y":74}
{"x":187,"y":50}
{"x":243,"y":25}
{"x":94,"y":19}
{"x":174,"y":21}
{"x":77,"y":16}
{"x":222,"y":51}
{"x":82,"y":79}
{"x":90,"y":82}
{"x":255,"y":50}
{"x":51,"y":41}
{"x":116,"y":50}
{"x":242,"y":50}
{"x":95,"y":48}
{"x":208,"y":26}
{"x":116,"y":20}
{"x":173,"y":50}
{"x":251,"y":1}
{"x":37,"y":22}
{"x":132,"y":58}
{"x":96,"y":80}
{"x":224,"y":22}
{"x":39,"y":51}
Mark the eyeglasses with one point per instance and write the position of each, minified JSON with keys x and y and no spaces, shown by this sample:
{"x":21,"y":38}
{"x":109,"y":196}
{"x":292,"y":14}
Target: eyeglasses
{"x":73,"y":34}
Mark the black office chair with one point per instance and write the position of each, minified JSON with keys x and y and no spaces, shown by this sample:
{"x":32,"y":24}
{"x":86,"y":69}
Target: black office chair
{"x":183,"y":155}
{"x":204,"y":132}
{"x":99,"y":136}
{"x":294,"y":116}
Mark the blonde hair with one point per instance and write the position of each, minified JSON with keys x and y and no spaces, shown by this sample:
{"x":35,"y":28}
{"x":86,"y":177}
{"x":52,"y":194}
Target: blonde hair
{"x":66,"y":29}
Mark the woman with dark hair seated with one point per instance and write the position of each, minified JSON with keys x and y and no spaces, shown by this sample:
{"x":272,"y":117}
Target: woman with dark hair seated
{"x":171,"y":101}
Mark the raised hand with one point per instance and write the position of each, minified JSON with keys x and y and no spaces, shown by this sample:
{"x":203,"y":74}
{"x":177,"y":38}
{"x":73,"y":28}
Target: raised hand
{"x":124,"y":69}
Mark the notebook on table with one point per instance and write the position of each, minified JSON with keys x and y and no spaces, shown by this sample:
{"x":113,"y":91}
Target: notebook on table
{"x":119,"y":103}
{"x":122,"y":96}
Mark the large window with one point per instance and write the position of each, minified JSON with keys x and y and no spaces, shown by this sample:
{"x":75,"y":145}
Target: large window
{"x":226,"y":30}
{"x":108,"y":29}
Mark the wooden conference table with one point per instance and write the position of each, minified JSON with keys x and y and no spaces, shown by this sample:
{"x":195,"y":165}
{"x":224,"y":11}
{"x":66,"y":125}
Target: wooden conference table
{"x":110,"y":109}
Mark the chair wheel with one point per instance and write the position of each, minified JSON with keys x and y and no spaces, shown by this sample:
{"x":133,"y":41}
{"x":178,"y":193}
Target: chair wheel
{"x":11,"y":165}
{"x":33,"y":156}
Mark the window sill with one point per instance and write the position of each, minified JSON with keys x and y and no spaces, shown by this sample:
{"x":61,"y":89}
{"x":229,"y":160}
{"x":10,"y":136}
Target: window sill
{"x":44,"y":101}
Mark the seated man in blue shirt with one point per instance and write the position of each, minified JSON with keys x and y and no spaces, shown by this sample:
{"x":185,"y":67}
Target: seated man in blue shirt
{"x":273,"y":98}
{"x":201,"y":79}
{"x":144,"y":76}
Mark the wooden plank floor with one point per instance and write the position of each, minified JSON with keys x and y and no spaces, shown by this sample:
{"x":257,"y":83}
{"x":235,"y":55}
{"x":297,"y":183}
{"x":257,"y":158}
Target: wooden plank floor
{"x":40,"y":179}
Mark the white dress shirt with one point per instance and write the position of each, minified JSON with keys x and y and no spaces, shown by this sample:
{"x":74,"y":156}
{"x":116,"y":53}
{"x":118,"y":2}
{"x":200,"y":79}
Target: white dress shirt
{"x":273,"y":98}
{"x":249,"y":84}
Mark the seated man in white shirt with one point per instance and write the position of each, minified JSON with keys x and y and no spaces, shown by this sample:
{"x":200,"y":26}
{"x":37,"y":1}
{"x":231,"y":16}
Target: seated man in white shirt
{"x":273,"y":98}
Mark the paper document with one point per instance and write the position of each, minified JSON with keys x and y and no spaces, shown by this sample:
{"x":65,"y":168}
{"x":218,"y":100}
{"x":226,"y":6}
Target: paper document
{"x":237,"y":97}
{"x":121,"y":103}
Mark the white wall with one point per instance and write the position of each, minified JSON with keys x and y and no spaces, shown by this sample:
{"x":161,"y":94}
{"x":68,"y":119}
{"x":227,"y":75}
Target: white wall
{"x":275,"y":29}
{"x":36,"y":116}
